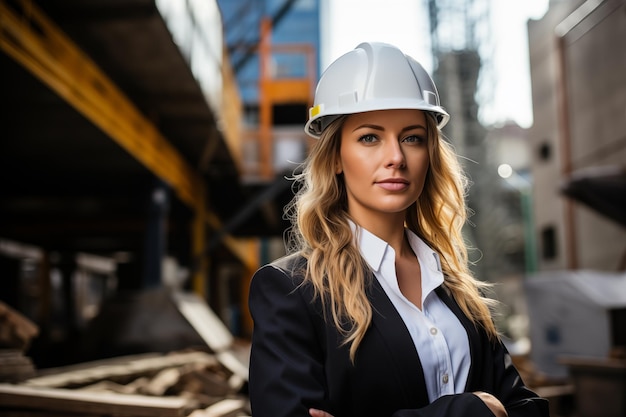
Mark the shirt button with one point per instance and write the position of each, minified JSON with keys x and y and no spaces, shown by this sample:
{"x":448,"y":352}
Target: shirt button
{"x":433,"y":331}
{"x":445,"y":378}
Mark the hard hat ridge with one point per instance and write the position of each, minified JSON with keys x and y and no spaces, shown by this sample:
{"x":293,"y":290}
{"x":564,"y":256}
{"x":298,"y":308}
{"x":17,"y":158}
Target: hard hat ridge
{"x":373,"y":76}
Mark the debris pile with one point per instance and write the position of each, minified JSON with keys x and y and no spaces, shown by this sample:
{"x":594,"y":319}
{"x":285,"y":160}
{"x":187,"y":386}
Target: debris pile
{"x":209,"y":381}
{"x":191,"y":383}
{"x":16,"y":333}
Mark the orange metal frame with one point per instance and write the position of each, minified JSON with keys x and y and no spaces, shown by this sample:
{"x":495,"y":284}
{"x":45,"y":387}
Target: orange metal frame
{"x":274,"y":91}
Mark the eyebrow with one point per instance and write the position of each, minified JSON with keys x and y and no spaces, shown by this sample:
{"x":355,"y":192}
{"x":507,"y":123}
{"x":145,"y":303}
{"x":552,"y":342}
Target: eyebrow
{"x":382,"y":129}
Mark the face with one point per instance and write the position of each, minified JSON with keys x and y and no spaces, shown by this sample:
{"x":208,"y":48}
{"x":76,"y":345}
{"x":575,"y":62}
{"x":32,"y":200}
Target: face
{"x":384,"y":160}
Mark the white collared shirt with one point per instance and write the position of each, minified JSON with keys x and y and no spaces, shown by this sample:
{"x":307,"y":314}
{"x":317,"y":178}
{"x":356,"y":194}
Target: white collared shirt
{"x":440,"y":338}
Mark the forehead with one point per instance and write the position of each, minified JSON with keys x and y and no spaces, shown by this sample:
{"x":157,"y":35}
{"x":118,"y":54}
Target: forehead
{"x":387,"y":118}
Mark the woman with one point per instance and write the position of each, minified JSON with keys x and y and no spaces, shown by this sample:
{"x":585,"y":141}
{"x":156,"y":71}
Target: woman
{"x":374,"y":312}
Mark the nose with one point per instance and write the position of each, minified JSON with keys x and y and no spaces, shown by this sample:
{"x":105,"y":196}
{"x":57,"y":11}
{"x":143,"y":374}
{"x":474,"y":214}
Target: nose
{"x":394,"y":154}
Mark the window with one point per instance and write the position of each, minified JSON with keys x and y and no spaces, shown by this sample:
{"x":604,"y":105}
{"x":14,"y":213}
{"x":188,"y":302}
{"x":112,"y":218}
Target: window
{"x":548,"y":243}
{"x":545,"y":151}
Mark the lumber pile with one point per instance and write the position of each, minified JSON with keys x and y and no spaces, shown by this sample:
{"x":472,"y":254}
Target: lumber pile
{"x":152,"y":385}
{"x":209,"y":381}
{"x":15,"y":366}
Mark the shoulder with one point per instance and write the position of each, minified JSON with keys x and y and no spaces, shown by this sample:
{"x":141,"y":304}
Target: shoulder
{"x":288,"y":270}
{"x":280,"y":285}
{"x":294,"y":264}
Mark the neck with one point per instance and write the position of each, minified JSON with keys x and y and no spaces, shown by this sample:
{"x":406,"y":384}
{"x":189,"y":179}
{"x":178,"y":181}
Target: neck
{"x":389,"y":228}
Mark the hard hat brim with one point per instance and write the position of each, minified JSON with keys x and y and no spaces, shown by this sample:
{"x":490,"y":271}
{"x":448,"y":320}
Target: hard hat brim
{"x":316,"y":125}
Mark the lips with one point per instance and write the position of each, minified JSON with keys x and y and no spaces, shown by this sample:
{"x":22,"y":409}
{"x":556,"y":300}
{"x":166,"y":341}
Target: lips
{"x":393,"y":184}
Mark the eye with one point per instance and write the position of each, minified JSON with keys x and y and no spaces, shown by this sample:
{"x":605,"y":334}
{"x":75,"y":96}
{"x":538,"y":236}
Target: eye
{"x":417,"y":139}
{"x":369,"y":138}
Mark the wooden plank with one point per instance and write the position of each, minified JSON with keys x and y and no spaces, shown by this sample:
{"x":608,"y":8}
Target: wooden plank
{"x":208,"y":325}
{"x":212,"y":330}
{"x":56,"y":400}
{"x":90,"y":372}
{"x":223,"y":408}
{"x":42,"y":413}
{"x":234,"y":363}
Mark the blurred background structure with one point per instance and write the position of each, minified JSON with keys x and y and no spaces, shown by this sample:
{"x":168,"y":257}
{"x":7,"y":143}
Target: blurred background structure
{"x":146,"y":145}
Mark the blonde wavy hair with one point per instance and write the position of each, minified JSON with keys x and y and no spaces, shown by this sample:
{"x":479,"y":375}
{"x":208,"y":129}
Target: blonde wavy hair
{"x":321,"y":232}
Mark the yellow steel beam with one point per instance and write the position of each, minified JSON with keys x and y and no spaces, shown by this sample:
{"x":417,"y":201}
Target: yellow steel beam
{"x":49,"y":54}
{"x":43,"y":49}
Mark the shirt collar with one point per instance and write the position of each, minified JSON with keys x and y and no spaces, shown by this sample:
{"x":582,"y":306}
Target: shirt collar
{"x":373,"y":249}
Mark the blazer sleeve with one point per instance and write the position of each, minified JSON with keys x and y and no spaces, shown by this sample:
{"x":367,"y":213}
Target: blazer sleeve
{"x":509,"y":388}
{"x":286,"y":362}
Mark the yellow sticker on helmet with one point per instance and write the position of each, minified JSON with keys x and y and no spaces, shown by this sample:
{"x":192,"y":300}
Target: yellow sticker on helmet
{"x":314,"y":111}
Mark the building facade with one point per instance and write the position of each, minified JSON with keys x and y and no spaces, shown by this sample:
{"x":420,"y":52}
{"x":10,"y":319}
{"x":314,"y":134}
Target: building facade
{"x":577,"y":63}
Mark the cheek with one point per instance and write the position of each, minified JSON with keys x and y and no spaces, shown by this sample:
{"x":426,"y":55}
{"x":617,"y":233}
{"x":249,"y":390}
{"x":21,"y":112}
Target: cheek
{"x":426,"y":166}
{"x":421,"y":168}
{"x":354,"y":164}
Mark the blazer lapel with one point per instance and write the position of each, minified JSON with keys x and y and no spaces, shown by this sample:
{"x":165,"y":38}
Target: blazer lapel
{"x":400,"y":348}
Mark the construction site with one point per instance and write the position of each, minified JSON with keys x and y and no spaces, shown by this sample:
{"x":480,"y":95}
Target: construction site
{"x":147,"y":149}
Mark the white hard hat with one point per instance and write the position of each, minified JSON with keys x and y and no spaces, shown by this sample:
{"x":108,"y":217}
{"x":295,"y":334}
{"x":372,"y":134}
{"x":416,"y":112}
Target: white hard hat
{"x":373,"y":76}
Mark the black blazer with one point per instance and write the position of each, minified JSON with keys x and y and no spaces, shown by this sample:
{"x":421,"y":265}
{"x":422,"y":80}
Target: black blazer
{"x":298,"y":360}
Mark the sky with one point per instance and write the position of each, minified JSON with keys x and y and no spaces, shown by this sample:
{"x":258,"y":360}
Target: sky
{"x":404,"y":23}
